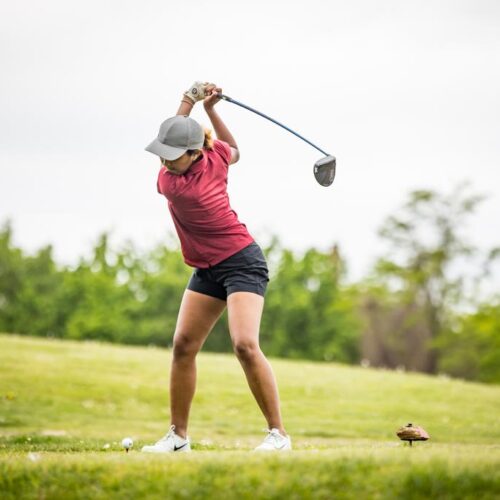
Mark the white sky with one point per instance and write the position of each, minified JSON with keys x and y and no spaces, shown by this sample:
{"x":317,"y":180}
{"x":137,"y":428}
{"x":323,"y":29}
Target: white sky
{"x":404,"y":93}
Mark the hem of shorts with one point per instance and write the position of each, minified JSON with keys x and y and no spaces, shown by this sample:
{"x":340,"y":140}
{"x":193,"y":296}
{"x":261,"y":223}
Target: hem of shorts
{"x":251,"y":289}
{"x":207,"y":291}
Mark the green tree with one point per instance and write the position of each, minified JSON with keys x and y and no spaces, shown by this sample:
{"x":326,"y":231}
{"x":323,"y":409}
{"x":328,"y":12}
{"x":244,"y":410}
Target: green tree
{"x":472,"y":349}
{"x":306,"y":314}
{"x":423,"y":272}
{"x":27,"y":292}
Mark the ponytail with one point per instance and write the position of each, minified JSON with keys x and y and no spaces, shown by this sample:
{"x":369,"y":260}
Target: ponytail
{"x":208,"y":143}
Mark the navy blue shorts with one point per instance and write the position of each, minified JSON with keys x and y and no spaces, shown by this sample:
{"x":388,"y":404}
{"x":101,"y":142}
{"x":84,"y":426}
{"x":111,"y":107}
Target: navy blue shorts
{"x":245,"y":271}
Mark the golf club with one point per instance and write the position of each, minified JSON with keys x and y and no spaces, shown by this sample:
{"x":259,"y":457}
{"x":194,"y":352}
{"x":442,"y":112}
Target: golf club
{"x":324,"y":169}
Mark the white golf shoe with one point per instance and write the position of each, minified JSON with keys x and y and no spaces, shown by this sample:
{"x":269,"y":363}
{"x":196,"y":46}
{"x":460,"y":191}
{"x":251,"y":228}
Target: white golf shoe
{"x":275,"y":441}
{"x":169,"y":443}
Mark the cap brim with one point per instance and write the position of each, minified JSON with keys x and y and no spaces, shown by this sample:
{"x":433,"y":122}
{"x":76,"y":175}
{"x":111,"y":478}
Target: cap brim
{"x":163,"y":151}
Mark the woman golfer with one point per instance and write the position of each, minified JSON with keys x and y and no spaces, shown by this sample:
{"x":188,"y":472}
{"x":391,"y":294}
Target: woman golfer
{"x":229,"y":267}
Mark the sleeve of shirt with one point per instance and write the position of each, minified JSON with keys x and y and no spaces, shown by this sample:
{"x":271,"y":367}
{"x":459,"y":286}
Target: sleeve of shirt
{"x":224,"y":151}
{"x":158,"y":183}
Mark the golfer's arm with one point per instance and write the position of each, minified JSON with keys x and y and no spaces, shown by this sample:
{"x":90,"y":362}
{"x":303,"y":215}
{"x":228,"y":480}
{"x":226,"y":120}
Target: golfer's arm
{"x":185,"y":107}
{"x":222,"y":133}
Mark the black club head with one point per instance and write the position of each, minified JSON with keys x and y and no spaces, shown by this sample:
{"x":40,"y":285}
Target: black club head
{"x":324,"y":170}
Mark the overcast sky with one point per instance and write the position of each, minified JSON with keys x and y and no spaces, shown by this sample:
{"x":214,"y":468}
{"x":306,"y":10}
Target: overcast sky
{"x":404,"y":93}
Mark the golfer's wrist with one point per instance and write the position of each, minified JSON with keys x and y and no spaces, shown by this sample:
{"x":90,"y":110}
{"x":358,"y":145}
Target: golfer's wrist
{"x":210,"y":108}
{"x":187,"y":101}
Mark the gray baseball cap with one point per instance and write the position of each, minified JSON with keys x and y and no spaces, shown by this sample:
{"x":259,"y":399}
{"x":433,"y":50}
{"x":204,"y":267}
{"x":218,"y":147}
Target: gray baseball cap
{"x":176,"y":136}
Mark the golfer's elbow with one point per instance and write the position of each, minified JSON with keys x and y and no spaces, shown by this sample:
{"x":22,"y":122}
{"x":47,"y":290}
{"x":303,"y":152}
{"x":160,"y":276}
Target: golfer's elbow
{"x":235,"y":155}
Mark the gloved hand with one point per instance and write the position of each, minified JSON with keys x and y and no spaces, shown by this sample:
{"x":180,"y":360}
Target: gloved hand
{"x":198,"y":91}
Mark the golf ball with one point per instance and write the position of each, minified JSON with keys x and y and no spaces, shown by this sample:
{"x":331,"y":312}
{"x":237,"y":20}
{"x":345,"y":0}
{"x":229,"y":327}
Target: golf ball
{"x":127,"y":443}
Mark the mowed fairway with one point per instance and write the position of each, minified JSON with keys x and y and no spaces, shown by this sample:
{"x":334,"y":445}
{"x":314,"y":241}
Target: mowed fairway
{"x":65,"y":406}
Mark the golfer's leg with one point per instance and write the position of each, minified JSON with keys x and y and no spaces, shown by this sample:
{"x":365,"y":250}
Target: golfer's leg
{"x":197,"y":316}
{"x":244,"y":314}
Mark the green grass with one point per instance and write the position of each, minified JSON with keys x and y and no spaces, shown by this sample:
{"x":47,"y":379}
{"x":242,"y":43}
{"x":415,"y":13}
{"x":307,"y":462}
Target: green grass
{"x":65,"y":406}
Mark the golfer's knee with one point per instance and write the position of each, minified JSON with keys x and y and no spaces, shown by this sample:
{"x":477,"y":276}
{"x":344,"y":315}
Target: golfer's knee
{"x":246,"y":351}
{"x":184,"y":347}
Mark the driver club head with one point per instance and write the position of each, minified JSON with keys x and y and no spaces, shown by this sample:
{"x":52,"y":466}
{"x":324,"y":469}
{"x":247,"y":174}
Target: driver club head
{"x":324,"y":170}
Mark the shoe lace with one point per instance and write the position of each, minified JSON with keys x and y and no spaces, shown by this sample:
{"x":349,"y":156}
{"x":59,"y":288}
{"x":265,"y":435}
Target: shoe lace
{"x":168,"y":435}
{"x":273,"y":436}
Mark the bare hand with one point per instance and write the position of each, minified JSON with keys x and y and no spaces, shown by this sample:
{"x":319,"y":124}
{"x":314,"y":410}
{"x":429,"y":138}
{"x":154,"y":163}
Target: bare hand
{"x":212,"y":91}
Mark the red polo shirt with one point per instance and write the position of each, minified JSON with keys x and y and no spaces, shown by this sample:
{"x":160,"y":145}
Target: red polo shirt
{"x":208,"y":228}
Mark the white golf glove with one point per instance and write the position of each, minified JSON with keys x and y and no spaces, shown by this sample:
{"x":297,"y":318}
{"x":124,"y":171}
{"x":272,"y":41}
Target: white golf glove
{"x":197,"y":91}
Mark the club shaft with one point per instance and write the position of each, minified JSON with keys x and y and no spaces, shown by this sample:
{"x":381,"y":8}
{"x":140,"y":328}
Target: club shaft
{"x":234,"y":101}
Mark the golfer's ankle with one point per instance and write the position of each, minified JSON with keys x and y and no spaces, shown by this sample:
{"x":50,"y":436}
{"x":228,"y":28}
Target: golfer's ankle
{"x":280,"y":428}
{"x":181,"y":431}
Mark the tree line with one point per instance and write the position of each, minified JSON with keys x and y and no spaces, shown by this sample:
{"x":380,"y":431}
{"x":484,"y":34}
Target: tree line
{"x":418,"y":309}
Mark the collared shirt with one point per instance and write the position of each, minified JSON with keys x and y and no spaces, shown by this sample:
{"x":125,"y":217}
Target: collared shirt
{"x":207,"y":226}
